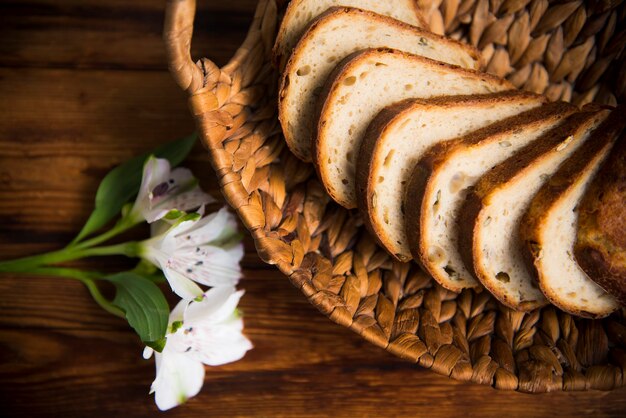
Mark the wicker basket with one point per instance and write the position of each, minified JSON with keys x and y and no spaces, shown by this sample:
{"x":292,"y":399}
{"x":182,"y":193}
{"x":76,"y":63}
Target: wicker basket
{"x":569,"y":50}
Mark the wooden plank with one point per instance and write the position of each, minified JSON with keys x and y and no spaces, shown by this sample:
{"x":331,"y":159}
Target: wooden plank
{"x":81,"y":362}
{"x":118,"y":35}
{"x":118,"y":110}
{"x":55,"y":149}
{"x":120,"y":8}
{"x":72,"y":301}
{"x":302,"y":365}
{"x":83,"y":88}
{"x":102,"y":373}
{"x":61,"y":132}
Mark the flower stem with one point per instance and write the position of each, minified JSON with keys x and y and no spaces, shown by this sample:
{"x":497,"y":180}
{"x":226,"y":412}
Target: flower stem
{"x":129,"y":249}
{"x":87,"y":278}
{"x":69,"y":273}
{"x":123,"y":225}
{"x":26,"y":264}
{"x":101,"y":300}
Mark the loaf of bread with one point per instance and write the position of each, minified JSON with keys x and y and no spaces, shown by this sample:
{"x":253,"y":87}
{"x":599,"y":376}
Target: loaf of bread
{"x":331,"y":37}
{"x":400,"y":134}
{"x":548,"y":229}
{"x":360,"y":87}
{"x":601,"y":238}
{"x":490,"y":217}
{"x":443,"y":176}
{"x":300,"y":13}
{"x":481,"y":184}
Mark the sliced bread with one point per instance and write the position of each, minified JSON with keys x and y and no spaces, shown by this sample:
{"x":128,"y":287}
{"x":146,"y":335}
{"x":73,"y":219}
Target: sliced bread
{"x":548,"y":228}
{"x":400,"y":134}
{"x":331,"y":37}
{"x":443,"y":176}
{"x":360,"y":87}
{"x":300,"y":13}
{"x":490,"y":217}
{"x":601,"y":239}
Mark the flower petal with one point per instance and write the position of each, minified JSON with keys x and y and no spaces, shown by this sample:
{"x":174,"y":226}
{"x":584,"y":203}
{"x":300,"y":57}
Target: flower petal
{"x":186,"y":201}
{"x":149,"y":250}
{"x":169,"y":184}
{"x":181,"y":285}
{"x":179,"y":377}
{"x":177,"y":190}
{"x":187,"y":228}
{"x":212,"y":266}
{"x":222,"y":344}
{"x":235,"y":252}
{"x":217,"y":305}
{"x":219,"y":225}
{"x":163,"y":190}
{"x":159,"y":227}
{"x":147,"y":352}
{"x":154,"y":171}
{"x":168,"y":243}
{"x":178,"y":313}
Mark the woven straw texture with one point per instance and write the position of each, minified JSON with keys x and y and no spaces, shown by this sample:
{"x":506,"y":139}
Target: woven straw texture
{"x":568,"y":50}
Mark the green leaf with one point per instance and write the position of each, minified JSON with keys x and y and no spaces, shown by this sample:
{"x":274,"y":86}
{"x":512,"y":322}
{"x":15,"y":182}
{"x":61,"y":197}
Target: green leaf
{"x":157,"y":345}
{"x":144,"y":305}
{"x":122,"y":183}
{"x":149,"y":271}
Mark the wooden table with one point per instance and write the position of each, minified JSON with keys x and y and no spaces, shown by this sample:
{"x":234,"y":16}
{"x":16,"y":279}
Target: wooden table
{"x":83,"y":86}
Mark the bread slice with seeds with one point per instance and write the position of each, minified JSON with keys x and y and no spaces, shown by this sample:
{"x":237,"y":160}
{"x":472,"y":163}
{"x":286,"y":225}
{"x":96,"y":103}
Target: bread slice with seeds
{"x":601,"y":239}
{"x":360,"y":87}
{"x":548,"y":229}
{"x":400,"y":134}
{"x":331,"y":37}
{"x":444,"y":174}
{"x":490,"y":217}
{"x":300,"y":13}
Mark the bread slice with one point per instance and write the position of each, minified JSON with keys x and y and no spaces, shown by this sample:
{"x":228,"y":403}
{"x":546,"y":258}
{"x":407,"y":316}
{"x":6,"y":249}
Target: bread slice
{"x":601,"y":239}
{"x":397,"y":138}
{"x":443,"y":176}
{"x":331,"y":37}
{"x":300,"y":13}
{"x":360,"y":87}
{"x":548,"y":228}
{"x":489,"y":219}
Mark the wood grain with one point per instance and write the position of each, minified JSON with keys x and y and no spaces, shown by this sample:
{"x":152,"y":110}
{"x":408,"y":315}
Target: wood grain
{"x":83,"y":87}
{"x":118,"y":35}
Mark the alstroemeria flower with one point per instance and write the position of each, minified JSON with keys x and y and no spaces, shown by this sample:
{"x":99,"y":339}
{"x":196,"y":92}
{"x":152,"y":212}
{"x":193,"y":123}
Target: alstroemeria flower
{"x":208,"y":332}
{"x":163,"y":190}
{"x":205,"y":250}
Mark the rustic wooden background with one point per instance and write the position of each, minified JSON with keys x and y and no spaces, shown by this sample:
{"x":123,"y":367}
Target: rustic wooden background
{"x":83,"y":86}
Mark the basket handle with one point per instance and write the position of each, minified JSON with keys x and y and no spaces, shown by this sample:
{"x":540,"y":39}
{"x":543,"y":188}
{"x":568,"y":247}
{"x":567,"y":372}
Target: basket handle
{"x":177,"y":32}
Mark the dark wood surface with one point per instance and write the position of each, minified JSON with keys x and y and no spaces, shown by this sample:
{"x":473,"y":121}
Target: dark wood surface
{"x":83,"y":86}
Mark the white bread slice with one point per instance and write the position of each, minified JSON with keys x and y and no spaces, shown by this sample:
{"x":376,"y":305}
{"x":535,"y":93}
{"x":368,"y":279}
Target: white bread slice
{"x":442,"y":178}
{"x":300,"y":13}
{"x":400,"y":134}
{"x":360,"y":87}
{"x":548,"y":229}
{"x":600,"y":248}
{"x":490,"y":217}
{"x":331,"y":37}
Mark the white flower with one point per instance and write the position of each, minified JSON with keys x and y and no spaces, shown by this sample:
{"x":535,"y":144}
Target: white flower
{"x":201,"y":332}
{"x":163,"y":190}
{"x":178,"y":378}
{"x":205,"y":250}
